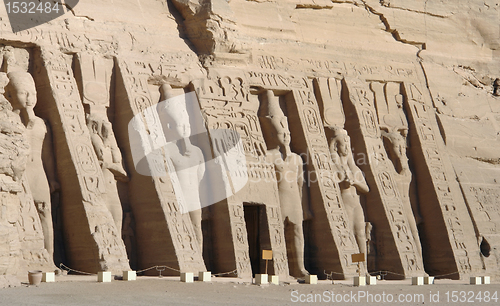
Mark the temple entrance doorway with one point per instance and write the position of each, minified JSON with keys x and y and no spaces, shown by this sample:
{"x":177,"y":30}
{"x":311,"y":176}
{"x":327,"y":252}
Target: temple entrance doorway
{"x":255,"y":222}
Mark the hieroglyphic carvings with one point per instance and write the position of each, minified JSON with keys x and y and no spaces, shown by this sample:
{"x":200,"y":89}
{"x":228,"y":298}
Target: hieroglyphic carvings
{"x":460,"y":230}
{"x":483,"y":201}
{"x":30,"y":230}
{"x":66,"y":40}
{"x":181,"y":232}
{"x":384,"y":195}
{"x":239,"y":236}
{"x":226,"y":105}
{"x":276,"y":68}
{"x":108,"y":251}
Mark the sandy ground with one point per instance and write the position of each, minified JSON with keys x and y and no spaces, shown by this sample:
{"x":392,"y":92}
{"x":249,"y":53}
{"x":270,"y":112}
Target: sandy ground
{"x":85,"y":290}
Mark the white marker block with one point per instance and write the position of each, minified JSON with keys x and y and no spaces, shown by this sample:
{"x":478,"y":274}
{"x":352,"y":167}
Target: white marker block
{"x":129,"y":275}
{"x":261,"y":279}
{"x":187,"y":277}
{"x":371,"y":280}
{"x":475,"y":280}
{"x":417,"y":280}
{"x":48,"y":277}
{"x":311,"y":279}
{"x":359,"y":281}
{"x":104,"y":277}
{"x":274,"y":279}
{"x":428,"y":280}
{"x":486,"y":280}
{"x":205,"y":276}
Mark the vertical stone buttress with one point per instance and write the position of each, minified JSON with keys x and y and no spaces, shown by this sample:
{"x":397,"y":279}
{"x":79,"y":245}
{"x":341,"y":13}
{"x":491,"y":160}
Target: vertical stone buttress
{"x":164,"y":235}
{"x":92,"y":241}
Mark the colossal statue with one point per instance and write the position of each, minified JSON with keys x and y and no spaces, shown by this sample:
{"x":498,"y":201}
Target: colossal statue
{"x":110,"y":160}
{"x":187,"y":159}
{"x":352,"y":182}
{"x":40,"y":172}
{"x":290,"y":177}
{"x":397,"y":153}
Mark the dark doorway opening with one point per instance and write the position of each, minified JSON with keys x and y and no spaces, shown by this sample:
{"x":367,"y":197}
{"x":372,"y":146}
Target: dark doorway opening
{"x":253,"y":216}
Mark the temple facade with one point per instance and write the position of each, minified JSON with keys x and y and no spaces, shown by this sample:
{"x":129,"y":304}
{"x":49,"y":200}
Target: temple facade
{"x":196,"y":134}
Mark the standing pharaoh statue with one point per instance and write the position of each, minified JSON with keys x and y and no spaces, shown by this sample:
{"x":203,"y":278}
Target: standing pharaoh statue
{"x":396,"y":150}
{"x":352,"y":182}
{"x":40,"y":169}
{"x":110,"y":160}
{"x":187,"y":159}
{"x":289,"y":169}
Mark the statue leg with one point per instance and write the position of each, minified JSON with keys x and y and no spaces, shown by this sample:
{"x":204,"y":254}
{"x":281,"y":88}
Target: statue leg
{"x":196,"y":220}
{"x":113,"y":201}
{"x":117,"y":213}
{"x":295,"y":243}
{"x":45,"y":214}
{"x":298,"y":246}
{"x":360,"y":233}
{"x":359,"y":228}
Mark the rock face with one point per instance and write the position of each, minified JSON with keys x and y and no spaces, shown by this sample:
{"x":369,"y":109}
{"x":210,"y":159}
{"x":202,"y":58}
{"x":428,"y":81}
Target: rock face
{"x":316,"y":129}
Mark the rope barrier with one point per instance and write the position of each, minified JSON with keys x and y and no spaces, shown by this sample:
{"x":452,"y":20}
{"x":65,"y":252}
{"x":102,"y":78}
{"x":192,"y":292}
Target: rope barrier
{"x":226,"y":273}
{"x":329,"y":276}
{"x":62,"y":266}
{"x":158,"y":268}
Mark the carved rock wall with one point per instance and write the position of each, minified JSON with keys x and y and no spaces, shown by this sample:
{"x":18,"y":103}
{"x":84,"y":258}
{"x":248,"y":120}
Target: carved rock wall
{"x":422,"y":70}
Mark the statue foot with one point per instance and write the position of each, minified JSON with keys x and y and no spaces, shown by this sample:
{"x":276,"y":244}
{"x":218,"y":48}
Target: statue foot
{"x":304,"y":272}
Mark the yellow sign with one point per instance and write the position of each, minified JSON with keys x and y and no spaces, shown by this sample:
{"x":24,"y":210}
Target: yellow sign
{"x":267,"y":254}
{"x":358,"y":257}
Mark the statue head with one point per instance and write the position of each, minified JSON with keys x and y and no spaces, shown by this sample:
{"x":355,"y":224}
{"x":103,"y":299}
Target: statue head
{"x":340,"y":141}
{"x":21,"y":90}
{"x":283,"y":132}
{"x":173,"y":115}
{"x":397,"y":144}
{"x":274,"y":122}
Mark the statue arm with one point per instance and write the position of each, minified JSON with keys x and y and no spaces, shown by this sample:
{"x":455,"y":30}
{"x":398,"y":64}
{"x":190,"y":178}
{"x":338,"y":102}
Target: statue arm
{"x":109,"y":142}
{"x":98,"y":146}
{"x":360,"y":184}
{"x":359,"y":178}
{"x":117,"y":166}
{"x":115,"y":151}
{"x":118,"y":171}
{"x":201,"y":167}
{"x":48,"y":159}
